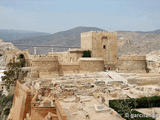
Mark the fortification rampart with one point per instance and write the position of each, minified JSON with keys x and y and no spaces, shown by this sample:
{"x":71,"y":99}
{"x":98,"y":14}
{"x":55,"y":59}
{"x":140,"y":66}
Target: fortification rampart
{"x":91,"y":64}
{"x":132,"y":64}
{"x":132,"y":58}
{"x":43,"y":66}
{"x":21,"y":103}
{"x":44,"y":58}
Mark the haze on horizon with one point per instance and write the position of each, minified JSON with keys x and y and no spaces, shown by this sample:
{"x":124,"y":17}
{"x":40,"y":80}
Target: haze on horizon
{"x":58,"y":15}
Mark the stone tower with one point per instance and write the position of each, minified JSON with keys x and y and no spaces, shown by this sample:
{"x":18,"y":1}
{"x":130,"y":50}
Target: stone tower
{"x":101,"y":44}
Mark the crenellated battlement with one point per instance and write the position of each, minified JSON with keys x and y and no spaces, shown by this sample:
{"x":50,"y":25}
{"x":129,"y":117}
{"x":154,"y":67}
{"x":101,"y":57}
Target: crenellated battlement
{"x":44,"y":58}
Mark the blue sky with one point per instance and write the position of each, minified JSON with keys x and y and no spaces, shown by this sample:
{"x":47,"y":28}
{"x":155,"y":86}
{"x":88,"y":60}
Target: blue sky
{"x":57,"y":15}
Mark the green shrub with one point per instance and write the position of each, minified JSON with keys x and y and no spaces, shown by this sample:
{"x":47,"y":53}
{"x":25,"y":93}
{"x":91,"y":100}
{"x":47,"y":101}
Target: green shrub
{"x":126,"y":106}
{"x":86,"y":53}
{"x":144,"y":102}
{"x":14,"y":73}
{"x":5,"y":105}
{"x":6,"y":111}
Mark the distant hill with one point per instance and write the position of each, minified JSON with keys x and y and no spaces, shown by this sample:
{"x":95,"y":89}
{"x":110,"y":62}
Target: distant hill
{"x":65,"y":38}
{"x":138,"y":42}
{"x":11,"y":35}
{"x":129,"y":42}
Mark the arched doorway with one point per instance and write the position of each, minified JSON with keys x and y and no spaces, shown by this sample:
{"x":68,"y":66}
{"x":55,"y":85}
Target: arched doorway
{"x":21,"y":58}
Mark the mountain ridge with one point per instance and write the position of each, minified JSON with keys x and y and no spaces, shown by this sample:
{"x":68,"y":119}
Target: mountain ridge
{"x":9,"y":35}
{"x":129,"y":42}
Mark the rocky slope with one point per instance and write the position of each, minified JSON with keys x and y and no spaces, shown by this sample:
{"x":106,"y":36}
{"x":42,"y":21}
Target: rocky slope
{"x":153,"y":59}
{"x":5,"y":45}
{"x":11,"y":35}
{"x":154,"y":56}
{"x":138,"y":42}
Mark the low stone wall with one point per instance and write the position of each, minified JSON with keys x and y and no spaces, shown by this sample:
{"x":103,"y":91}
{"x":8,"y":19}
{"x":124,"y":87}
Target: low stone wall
{"x":48,"y":67}
{"x":69,"y":68}
{"x":144,"y":80}
{"x":44,"y":66}
{"x":132,"y":64}
{"x":91,"y":64}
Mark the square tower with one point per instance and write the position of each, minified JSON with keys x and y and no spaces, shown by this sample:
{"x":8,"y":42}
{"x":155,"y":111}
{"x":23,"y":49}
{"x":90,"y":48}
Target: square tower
{"x":101,"y":44}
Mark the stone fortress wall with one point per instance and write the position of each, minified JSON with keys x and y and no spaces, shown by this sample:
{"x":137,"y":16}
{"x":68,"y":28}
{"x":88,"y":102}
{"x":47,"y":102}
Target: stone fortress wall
{"x":103,"y":47}
{"x":69,"y":57}
{"x":44,"y":65}
{"x":91,"y":64}
{"x":132,"y":64}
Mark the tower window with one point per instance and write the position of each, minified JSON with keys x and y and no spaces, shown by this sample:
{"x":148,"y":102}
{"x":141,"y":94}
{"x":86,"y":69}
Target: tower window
{"x":104,"y":46}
